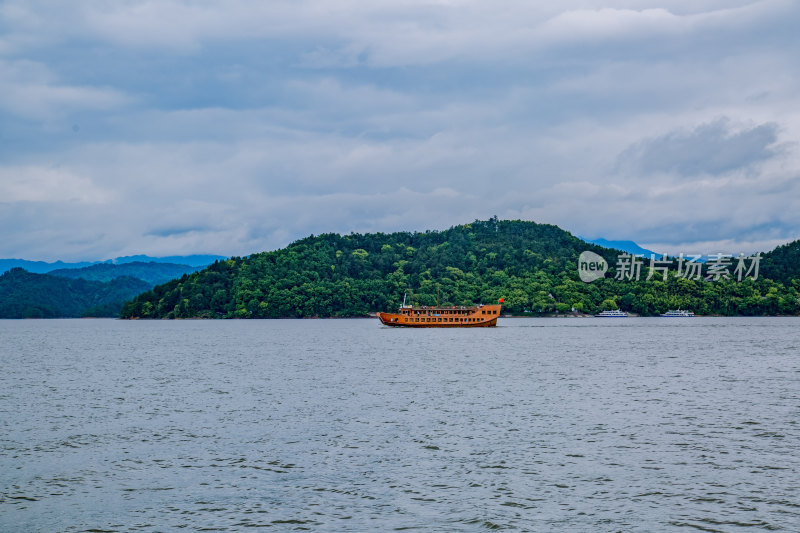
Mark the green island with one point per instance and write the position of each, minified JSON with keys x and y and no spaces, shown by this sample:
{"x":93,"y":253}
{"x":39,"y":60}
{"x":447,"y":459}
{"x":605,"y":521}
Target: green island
{"x":532,"y":266}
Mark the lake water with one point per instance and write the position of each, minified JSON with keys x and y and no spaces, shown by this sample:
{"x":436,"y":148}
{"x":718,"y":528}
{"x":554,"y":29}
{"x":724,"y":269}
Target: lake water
{"x":634,"y":424}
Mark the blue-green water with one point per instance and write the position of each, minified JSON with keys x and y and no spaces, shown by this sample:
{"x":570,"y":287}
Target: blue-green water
{"x":344,"y":425}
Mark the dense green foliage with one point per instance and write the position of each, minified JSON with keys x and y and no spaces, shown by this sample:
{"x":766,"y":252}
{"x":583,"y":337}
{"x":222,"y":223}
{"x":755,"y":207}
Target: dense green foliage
{"x":27,"y":295}
{"x":782,"y":263}
{"x":533,"y":266}
{"x":153,"y":273}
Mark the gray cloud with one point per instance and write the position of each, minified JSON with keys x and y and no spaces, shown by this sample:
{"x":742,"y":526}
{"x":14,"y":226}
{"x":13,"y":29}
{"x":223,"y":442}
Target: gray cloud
{"x":710,"y":148}
{"x":233,"y":127}
{"x":171,"y":231}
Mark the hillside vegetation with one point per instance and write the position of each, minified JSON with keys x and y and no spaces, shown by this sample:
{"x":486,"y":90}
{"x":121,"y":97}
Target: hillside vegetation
{"x":533,"y":266}
{"x":782,"y":263}
{"x":27,"y":295}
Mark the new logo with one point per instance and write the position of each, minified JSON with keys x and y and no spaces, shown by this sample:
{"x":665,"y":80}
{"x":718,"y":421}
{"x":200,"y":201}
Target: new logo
{"x":591,"y":266}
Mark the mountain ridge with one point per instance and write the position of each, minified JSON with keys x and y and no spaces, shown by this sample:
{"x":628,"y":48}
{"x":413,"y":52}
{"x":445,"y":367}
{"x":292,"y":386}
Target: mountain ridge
{"x":43,"y":267}
{"x":151,"y":272}
{"x":95,"y":290}
{"x":533,"y":266}
{"x":30,"y":295}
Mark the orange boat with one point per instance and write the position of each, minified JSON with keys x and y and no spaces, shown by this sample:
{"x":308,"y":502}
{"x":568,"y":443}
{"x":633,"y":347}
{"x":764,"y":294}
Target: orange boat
{"x":477,"y":316}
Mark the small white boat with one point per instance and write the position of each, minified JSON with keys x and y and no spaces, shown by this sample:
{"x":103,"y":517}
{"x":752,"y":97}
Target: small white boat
{"x":612,"y":314}
{"x":678,"y":312}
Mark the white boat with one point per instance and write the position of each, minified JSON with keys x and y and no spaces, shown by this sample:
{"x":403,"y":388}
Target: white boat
{"x":612,"y":314}
{"x":678,"y":312}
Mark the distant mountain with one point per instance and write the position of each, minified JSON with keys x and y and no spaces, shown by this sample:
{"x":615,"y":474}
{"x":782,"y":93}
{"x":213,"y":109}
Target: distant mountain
{"x":85,"y":289}
{"x":626,"y":246}
{"x":152,"y":272}
{"x":42,"y":267}
{"x":191,"y":260}
{"x":29,"y":295}
{"x":38,"y":267}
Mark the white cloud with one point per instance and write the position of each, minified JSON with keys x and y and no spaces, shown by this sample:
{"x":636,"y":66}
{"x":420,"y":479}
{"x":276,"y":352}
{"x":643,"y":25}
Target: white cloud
{"x":44,"y":185}
{"x":30,"y":90}
{"x":391,"y":32}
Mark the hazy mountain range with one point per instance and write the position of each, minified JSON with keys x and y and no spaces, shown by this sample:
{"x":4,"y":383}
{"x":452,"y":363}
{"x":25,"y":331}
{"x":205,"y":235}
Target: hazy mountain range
{"x":42,"y":267}
{"x":35,"y":289}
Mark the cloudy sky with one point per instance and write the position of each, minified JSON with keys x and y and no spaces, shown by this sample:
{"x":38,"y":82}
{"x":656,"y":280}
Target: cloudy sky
{"x":174,"y":127}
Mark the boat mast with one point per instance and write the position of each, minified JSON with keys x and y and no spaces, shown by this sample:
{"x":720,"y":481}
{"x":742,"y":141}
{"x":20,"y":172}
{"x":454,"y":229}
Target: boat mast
{"x":437,"y":295}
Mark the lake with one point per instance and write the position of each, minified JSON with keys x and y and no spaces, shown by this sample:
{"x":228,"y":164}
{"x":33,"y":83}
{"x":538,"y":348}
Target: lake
{"x":583,"y":424}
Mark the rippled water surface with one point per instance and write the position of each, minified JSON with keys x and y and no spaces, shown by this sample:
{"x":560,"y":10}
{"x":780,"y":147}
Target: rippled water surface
{"x":344,"y":425}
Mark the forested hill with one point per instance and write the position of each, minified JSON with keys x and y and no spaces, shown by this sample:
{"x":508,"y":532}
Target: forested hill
{"x":95,"y":290}
{"x":782,"y":263}
{"x":351,"y":275}
{"x":533,"y":266}
{"x":27,"y":295}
